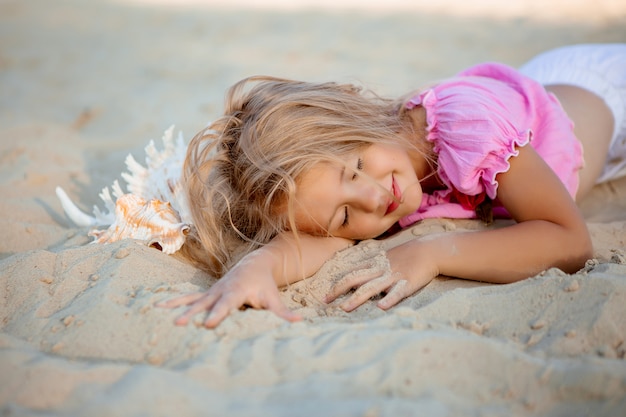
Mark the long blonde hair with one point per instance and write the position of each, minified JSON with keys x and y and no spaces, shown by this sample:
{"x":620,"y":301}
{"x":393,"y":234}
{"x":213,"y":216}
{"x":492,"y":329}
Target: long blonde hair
{"x":241,"y":172}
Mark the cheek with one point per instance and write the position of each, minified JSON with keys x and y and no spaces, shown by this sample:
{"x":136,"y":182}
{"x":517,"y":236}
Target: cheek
{"x":412,"y":198}
{"x":305,"y":223}
{"x":312,"y":218}
{"x":368,"y":227}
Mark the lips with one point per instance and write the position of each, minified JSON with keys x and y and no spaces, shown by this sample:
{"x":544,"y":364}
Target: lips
{"x":394,"y":204}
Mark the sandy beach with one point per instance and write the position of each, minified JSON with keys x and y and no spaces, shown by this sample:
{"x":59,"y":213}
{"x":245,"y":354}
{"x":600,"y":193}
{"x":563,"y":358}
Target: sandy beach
{"x":84,"y":83}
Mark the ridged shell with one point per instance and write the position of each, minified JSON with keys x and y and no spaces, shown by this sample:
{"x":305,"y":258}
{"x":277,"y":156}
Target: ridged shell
{"x":161,"y":177}
{"x":152,"y":222}
{"x":157,"y":183}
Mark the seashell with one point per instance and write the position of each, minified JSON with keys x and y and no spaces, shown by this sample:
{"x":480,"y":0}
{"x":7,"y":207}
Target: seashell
{"x":99,"y":217}
{"x":153,"y":222}
{"x":161,"y":178}
{"x":158,"y":183}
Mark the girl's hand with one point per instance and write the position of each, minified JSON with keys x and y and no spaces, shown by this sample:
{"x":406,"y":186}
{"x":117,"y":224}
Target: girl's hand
{"x":254,"y":280}
{"x":411,"y":269}
{"x":241,"y":286}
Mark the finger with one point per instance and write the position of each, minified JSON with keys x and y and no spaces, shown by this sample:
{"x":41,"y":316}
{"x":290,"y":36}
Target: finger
{"x":180,"y":300}
{"x":367,"y":291}
{"x":398,"y":292}
{"x":352,"y":280}
{"x":202,"y":304}
{"x":221,"y":309}
{"x":279,"y":308}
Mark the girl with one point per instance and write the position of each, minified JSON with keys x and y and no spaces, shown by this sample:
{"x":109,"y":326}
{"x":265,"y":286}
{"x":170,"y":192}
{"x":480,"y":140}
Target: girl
{"x":294,"y":172}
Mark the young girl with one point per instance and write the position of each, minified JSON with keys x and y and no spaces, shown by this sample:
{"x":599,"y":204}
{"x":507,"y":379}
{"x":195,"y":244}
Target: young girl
{"x":294,"y":172}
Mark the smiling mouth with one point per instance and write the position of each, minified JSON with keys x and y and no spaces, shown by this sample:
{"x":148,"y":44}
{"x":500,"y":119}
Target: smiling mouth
{"x":395,"y":203}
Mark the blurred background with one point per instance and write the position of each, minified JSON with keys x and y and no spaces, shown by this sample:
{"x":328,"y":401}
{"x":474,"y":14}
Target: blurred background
{"x":119,"y":72}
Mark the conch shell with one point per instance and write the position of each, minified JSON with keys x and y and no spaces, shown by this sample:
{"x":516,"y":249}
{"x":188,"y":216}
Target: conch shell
{"x":154,"y":223}
{"x":155,"y":208}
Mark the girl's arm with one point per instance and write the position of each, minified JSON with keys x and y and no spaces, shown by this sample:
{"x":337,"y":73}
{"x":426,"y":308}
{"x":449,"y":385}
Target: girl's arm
{"x":550,"y":232}
{"x":255,"y":279}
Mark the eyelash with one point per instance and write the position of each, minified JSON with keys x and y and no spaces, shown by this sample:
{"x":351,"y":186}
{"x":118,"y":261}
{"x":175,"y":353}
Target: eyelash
{"x":345,"y":217}
{"x":359,"y":167}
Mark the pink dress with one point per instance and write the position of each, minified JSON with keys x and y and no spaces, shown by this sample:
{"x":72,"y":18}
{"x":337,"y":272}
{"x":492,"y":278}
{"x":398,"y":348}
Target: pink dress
{"x":475,"y":122}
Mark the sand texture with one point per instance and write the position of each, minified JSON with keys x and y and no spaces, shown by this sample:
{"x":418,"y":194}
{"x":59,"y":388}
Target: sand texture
{"x":83,"y":83}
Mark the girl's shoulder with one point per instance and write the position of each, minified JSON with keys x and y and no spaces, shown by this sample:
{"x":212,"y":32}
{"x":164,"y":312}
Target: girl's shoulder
{"x":487,"y":84}
{"x":488,"y":104}
{"x":475,"y":122}
{"x":495,"y":71}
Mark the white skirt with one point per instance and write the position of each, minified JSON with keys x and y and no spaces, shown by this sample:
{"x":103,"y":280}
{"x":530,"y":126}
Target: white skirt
{"x":601,"y":69}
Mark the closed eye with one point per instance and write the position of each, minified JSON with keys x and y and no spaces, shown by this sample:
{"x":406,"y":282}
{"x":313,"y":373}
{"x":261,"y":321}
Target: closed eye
{"x":359,"y":167}
{"x":355,"y":175}
{"x":345,"y":218}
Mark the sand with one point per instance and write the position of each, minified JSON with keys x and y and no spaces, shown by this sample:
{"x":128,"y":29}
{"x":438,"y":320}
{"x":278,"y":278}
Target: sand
{"x":86,"y":82}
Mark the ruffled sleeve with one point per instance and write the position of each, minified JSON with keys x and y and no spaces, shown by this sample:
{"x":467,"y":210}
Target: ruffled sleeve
{"x":473,"y":142}
{"x":476,"y":123}
{"x":472,"y":125}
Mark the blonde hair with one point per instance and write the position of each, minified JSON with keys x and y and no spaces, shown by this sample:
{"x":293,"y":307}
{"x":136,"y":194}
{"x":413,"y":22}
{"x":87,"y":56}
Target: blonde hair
{"x":241,"y":172}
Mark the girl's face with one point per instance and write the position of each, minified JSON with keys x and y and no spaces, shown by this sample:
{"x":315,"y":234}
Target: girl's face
{"x":341,"y":201}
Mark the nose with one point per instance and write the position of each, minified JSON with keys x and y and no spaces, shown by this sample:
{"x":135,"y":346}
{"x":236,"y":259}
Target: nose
{"x":367,"y":196}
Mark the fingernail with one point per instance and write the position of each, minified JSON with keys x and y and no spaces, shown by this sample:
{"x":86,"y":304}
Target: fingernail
{"x":382,"y":305}
{"x":210,"y":322}
{"x":294,"y":317}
